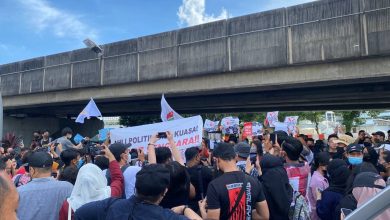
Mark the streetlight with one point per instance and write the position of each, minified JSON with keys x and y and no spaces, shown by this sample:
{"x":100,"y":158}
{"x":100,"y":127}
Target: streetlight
{"x":97,"y":49}
{"x":93,"y":46}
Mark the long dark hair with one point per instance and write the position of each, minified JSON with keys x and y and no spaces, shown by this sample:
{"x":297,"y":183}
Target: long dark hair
{"x":179,"y":177}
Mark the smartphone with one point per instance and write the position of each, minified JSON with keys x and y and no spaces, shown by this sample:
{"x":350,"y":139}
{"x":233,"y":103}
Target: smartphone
{"x":162,"y":135}
{"x":273,"y":137}
{"x":346,"y":212}
{"x":253,"y":158}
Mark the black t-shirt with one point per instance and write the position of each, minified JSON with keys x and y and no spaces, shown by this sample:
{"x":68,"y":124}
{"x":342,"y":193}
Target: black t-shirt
{"x":223,"y":192}
{"x":197,"y":174}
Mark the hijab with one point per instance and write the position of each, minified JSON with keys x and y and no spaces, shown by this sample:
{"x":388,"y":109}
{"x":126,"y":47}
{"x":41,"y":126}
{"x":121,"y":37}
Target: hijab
{"x":338,"y":174}
{"x":91,"y":185}
{"x":366,"y":187}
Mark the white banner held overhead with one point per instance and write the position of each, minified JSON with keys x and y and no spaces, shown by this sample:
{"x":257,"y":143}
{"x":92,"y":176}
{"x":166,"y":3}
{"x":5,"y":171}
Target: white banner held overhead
{"x":187,"y":132}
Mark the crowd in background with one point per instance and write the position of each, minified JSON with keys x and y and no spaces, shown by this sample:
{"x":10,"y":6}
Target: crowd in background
{"x":271,"y":176}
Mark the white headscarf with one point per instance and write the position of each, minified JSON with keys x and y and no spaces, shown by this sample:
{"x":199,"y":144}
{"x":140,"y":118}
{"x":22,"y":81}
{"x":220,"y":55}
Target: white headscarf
{"x":91,"y":185}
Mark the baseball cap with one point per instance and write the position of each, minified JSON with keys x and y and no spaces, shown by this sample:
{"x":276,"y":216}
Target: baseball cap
{"x":242,"y":149}
{"x":224,"y":151}
{"x":40,"y":159}
{"x":152,"y":180}
{"x":368,"y":179}
{"x":354,"y":148}
{"x":344,"y":139}
{"x":117,"y":149}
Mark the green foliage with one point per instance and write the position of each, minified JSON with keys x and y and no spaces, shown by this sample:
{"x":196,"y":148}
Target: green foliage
{"x":134,"y":120}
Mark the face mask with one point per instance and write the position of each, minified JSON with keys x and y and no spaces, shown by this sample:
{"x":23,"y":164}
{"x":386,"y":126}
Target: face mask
{"x":80,"y":163}
{"x":367,"y":144}
{"x":355,"y":160}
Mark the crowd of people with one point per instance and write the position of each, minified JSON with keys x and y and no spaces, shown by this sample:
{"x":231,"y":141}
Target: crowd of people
{"x":271,"y":176}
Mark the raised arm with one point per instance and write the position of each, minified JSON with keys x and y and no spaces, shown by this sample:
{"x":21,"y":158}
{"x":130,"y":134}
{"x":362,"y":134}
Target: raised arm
{"x":152,"y":150}
{"x":175,"y":152}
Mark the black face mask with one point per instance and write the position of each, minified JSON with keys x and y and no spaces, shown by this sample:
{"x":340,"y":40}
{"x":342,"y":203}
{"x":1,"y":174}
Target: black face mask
{"x":367,"y":144}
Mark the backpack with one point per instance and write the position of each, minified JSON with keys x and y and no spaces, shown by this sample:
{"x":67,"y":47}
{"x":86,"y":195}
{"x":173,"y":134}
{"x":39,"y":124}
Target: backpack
{"x":299,"y":209}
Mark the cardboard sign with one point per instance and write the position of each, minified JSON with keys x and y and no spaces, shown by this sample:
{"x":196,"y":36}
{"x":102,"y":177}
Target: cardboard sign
{"x":252,"y":129}
{"x":187,"y":132}
{"x":281,"y":126}
{"x":230,"y":125}
{"x":272,"y":117}
{"x":211,"y":126}
{"x":291,"y":120}
{"x":247,"y":131}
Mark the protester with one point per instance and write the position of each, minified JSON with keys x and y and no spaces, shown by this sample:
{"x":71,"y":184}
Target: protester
{"x":151,"y":185}
{"x":44,"y":193}
{"x":318,"y":181}
{"x":365,"y":186}
{"x":70,"y":157}
{"x":22,"y":178}
{"x":9,"y":167}
{"x":361,"y":137}
{"x":370,"y":155}
{"x":121,"y":154}
{"x":46,"y":139}
{"x":64,"y":141}
{"x":277,"y":189}
{"x":233,"y":185}
{"x":69,"y":174}
{"x":328,"y":200}
{"x":334,"y":150}
{"x":9,"y":198}
{"x":91,"y":185}
{"x":102,"y":162}
{"x":354,"y":154}
{"x":298,"y":172}
{"x":379,"y":137}
{"x":242,"y":150}
{"x":200,"y":176}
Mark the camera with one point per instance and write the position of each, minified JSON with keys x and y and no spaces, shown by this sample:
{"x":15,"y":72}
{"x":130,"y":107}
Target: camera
{"x":91,"y":148}
{"x":162,"y":135}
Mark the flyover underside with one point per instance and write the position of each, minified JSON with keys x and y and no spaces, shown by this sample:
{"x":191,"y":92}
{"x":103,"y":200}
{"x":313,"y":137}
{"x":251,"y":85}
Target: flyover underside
{"x":357,"y":84}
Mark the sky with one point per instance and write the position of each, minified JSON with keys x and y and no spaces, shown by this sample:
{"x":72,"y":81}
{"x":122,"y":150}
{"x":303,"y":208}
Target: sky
{"x":33,"y":28}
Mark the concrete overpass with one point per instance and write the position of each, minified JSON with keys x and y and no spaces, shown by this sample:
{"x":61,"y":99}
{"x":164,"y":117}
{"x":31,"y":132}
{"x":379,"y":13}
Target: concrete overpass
{"x":329,"y":54}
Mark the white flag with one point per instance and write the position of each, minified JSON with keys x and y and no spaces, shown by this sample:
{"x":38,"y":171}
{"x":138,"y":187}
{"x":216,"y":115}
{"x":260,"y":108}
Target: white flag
{"x":91,"y":110}
{"x":167,"y":113}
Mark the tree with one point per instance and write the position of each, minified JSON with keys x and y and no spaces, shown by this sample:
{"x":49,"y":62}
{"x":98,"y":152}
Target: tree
{"x":134,"y":120}
{"x":351,"y":118}
{"x":314,"y":116}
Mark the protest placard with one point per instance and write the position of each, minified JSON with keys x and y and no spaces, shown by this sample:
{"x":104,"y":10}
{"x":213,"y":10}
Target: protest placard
{"x":272,"y":117}
{"x":257,"y":128}
{"x":247,"y":130}
{"x":211,"y":126}
{"x":187,"y":133}
{"x":230,"y":125}
{"x":281,"y":126}
{"x":103,"y":133}
{"x":78,"y":138}
{"x":291,"y":120}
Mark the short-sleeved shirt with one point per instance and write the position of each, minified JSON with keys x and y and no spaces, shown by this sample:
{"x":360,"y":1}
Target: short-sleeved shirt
{"x":65,"y":143}
{"x":222,"y":194}
{"x":129,"y":177}
{"x":42,"y":198}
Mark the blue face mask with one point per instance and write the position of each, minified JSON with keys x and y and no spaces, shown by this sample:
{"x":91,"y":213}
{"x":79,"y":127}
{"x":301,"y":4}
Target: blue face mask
{"x":355,"y":160}
{"x":80,"y":163}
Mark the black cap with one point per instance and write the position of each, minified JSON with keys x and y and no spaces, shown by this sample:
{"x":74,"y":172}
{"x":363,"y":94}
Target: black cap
{"x":117,"y":149}
{"x":367,"y":179}
{"x":152,"y":180}
{"x":354,"y":148}
{"x":242,"y":149}
{"x":322,"y":158}
{"x":40,"y":160}
{"x":380,"y":133}
{"x":224,"y":151}
{"x":191,"y":153}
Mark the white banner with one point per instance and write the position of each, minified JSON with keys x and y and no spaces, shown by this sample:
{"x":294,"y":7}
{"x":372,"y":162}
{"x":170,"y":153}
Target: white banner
{"x":291,"y":120}
{"x":187,"y":132}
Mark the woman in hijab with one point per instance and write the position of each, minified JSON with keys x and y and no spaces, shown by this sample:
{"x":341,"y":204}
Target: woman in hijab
{"x":278,"y":192}
{"x":328,"y":200}
{"x":365,"y":186}
{"x":91,"y":185}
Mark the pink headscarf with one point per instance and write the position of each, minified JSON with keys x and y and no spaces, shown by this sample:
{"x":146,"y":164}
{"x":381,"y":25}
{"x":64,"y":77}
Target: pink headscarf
{"x":363,"y":194}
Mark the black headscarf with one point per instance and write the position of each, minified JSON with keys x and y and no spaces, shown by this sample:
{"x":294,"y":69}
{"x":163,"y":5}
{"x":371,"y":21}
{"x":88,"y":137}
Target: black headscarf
{"x":277,"y":189}
{"x":338,"y":174}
